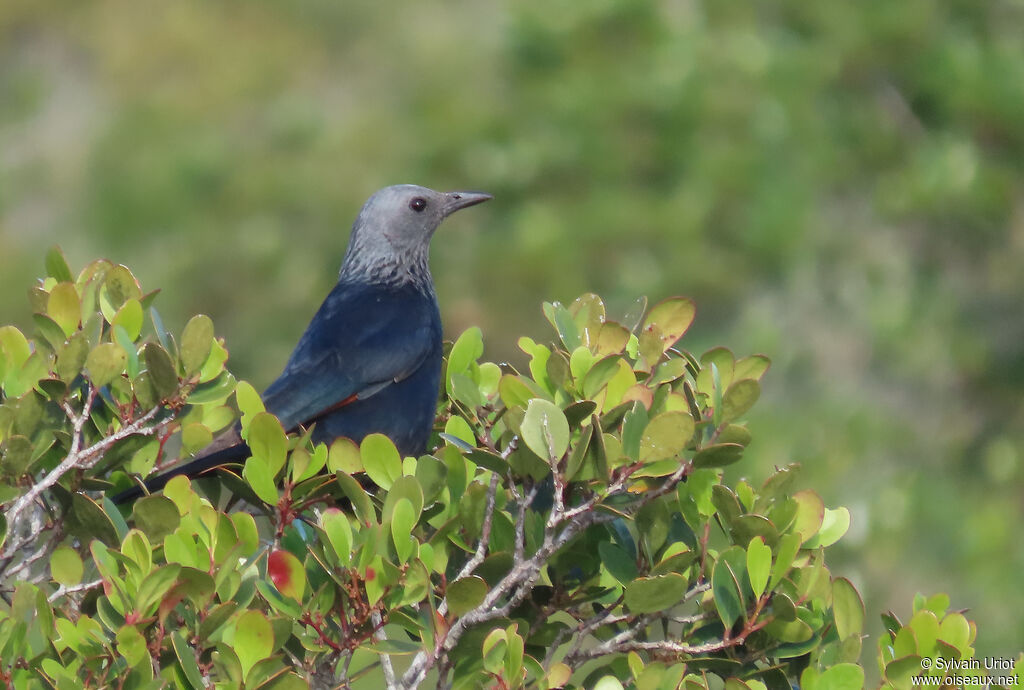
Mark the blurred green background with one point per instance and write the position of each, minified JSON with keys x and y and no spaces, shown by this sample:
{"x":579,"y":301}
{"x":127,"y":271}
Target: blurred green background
{"x":837,"y":185}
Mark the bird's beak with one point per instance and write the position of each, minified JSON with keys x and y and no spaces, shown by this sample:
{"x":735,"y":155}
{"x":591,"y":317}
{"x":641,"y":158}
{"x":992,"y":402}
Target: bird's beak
{"x":454,"y":201}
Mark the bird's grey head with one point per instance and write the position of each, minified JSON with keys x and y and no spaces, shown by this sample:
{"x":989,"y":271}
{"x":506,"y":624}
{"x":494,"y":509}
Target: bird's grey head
{"x":390,"y":239}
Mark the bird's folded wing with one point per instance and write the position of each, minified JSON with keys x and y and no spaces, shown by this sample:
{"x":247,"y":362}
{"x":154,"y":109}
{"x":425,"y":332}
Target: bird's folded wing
{"x":354,"y":347}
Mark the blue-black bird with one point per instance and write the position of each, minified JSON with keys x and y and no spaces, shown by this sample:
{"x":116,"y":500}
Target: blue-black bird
{"x":370,"y":360}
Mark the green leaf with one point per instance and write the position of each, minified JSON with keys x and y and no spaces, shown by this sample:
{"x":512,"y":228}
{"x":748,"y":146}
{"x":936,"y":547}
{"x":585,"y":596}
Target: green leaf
{"x":245,"y":529}
{"x":284,"y":680}
{"x":564,"y":325}
{"x":14,"y":345}
{"x":66,"y":566}
{"x":403,"y":519}
{"x":57,"y":266}
{"x":545,"y":430}
{"x":633,"y":425}
{"x":759,"y":565}
{"x":619,"y":564}
{"x":925,"y":625}
{"x":467,"y":349}
{"x":725,"y":588}
{"x":64,"y":308}
{"x":381,"y":459}
{"x":215,"y":390}
{"x":793,"y":631}
{"x":463,"y":389}
{"x":738,"y":398}
{"x":611,"y":339}
{"x":955,"y":630}
{"x":131,"y":645}
{"x":344,"y":455}
{"x":89,"y":521}
{"x":268,"y":442}
{"x":666,"y":372}
{"x":810,"y":512}
{"x":213,"y":367}
{"x":17,"y":456}
{"x":195,"y":437}
{"x":253,"y":639}
{"x":196,"y":343}
{"x":131,"y":354}
{"x":156,"y":516}
{"x":847,"y":608}
{"x":842,"y":677}
{"x":339,"y":533}
{"x":404,"y":488}
{"x":665,"y":436}
{"x":216,"y":619}
{"x":187,"y":659}
{"x":156,"y":585}
{"x":599,"y":375}
{"x":361,"y":504}
{"x":513,"y":392}
{"x":258,"y":476}
{"x":460,"y":429}
{"x":719,"y":455}
{"x":119,"y":285}
{"x":670,"y":319}
{"x":465,"y":595}
{"x":161,"y":369}
{"x":129,"y":317}
{"x":752,"y":367}
{"x":52,"y":333}
{"x":608,"y":683}
{"x":651,"y":594}
{"x":71,"y":357}
{"x":834,"y":524}
{"x":430,"y":477}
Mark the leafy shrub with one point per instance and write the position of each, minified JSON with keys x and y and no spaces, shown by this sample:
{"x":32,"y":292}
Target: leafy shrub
{"x":571,"y":529}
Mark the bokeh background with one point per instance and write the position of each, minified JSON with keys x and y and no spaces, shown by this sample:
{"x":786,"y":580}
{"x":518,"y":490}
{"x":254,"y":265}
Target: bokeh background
{"x":838,"y":185}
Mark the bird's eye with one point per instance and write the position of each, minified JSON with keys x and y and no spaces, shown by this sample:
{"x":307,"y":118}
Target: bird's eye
{"x":418,"y":204}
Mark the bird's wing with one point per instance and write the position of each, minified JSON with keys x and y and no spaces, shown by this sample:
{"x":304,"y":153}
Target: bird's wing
{"x":360,"y":341}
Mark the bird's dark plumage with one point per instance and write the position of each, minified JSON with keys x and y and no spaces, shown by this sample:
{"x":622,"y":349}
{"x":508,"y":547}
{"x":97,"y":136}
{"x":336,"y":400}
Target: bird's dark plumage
{"x":370,"y":360}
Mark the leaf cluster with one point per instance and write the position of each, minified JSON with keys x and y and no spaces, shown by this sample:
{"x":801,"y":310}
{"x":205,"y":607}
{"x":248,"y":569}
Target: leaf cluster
{"x":571,"y":528}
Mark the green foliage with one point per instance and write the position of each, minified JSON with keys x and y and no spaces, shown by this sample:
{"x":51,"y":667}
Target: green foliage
{"x":571,"y":528}
{"x":838,"y":182}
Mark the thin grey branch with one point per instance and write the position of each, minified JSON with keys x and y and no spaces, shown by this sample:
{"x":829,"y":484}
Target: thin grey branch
{"x":63,"y":591}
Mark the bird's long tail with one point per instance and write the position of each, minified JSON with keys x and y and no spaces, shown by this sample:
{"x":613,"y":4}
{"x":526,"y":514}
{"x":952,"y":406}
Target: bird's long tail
{"x":207,"y":463}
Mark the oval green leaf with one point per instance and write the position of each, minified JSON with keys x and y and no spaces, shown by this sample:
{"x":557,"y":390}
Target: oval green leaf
{"x":161,"y":369}
{"x":268,"y":442}
{"x":671,"y":317}
{"x":104,"y":363}
{"x":665,"y":436}
{"x":466,"y":594}
{"x":545,"y":430}
{"x":253,"y":639}
{"x":381,"y":459}
{"x":651,"y":594}
{"x":66,"y":566}
{"x":339,"y":533}
{"x":403,"y":519}
{"x":848,"y":608}
{"x":739,"y":398}
{"x":63,"y":307}
{"x":759,"y":565}
{"x":725,"y":588}
{"x":196,"y":343}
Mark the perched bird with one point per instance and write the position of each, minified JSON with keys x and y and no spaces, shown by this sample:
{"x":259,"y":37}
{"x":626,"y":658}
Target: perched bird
{"x":370,"y":360}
